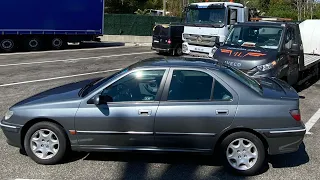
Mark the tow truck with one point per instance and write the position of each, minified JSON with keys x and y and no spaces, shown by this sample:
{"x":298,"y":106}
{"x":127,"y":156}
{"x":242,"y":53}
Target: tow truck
{"x":274,"y":47}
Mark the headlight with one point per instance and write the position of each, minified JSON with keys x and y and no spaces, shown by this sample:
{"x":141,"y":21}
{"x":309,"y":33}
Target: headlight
{"x":214,"y":49}
{"x":8,"y":115}
{"x":266,"y":67}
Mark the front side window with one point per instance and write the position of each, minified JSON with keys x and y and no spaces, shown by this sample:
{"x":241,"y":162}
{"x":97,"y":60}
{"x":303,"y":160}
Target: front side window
{"x":141,"y":85}
{"x":190,"y":85}
{"x":255,"y":36}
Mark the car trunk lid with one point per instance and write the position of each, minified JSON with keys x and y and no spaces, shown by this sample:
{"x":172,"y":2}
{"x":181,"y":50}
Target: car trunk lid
{"x":276,"y":88}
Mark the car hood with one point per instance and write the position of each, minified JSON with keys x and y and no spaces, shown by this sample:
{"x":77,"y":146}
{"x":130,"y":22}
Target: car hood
{"x":244,"y":58}
{"x":62,"y":93}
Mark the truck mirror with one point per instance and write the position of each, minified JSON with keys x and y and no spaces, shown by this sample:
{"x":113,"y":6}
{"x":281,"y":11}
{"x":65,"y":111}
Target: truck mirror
{"x":295,"y":49}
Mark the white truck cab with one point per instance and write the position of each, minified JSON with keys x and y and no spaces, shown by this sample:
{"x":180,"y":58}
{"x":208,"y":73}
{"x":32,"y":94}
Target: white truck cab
{"x":208,"y":23}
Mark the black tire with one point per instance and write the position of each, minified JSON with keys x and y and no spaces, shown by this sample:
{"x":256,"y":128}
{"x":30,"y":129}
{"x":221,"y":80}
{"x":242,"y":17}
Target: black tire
{"x":293,"y":76}
{"x":261,"y":158}
{"x":33,"y":44}
{"x":7,"y":45}
{"x":58,"y":43}
{"x":59,"y":132}
{"x":178,"y":51}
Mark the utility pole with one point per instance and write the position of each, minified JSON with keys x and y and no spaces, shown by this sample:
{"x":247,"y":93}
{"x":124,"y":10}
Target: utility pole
{"x":164,"y":7}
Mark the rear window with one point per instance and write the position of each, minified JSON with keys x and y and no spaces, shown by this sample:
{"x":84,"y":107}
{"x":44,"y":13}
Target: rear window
{"x":245,"y":79}
{"x":161,"y":31}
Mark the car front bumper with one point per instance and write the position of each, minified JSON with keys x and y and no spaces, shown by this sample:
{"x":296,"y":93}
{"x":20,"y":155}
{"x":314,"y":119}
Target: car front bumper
{"x":12,"y":133}
{"x":284,"y":140}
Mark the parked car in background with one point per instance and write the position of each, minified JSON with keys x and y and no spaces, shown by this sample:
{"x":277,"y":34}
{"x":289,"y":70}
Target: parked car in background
{"x":167,"y":38}
{"x":162,"y":104}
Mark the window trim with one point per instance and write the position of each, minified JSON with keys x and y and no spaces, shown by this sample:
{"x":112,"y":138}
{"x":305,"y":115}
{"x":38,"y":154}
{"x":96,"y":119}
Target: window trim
{"x":165,"y":92}
{"x":158,"y":96}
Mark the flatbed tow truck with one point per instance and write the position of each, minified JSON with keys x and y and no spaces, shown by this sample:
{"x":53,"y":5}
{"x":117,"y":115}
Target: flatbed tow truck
{"x":274,"y":47}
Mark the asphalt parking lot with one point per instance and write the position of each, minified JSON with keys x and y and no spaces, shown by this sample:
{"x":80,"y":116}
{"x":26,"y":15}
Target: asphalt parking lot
{"x":24,"y":74}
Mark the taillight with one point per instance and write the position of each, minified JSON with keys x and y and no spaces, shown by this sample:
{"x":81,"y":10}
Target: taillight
{"x":169,"y":41}
{"x":296,"y":115}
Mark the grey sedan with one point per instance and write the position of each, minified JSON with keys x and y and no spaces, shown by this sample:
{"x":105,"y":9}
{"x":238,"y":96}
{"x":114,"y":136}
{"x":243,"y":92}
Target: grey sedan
{"x":182,"y":104}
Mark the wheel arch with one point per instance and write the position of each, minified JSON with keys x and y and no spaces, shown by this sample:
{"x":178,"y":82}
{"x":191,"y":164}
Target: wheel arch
{"x":32,"y":122}
{"x":240,"y":129}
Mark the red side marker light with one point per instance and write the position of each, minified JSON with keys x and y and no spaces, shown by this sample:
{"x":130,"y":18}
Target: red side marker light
{"x":169,"y":41}
{"x":296,"y":115}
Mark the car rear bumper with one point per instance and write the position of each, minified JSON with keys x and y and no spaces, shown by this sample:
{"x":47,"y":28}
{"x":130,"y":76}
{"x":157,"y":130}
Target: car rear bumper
{"x":161,"y":49}
{"x":12,"y":133}
{"x":283,"y":140}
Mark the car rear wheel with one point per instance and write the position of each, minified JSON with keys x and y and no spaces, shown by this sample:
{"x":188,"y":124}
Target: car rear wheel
{"x":45,"y":143}
{"x":243,"y":153}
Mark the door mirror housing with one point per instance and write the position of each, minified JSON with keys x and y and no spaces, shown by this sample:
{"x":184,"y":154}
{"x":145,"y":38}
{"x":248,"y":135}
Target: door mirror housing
{"x":98,"y":99}
{"x":295,"y":49}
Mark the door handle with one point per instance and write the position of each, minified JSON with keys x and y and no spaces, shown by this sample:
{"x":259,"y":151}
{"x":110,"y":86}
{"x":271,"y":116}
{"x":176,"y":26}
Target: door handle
{"x":222,"y":112}
{"x":144,"y":112}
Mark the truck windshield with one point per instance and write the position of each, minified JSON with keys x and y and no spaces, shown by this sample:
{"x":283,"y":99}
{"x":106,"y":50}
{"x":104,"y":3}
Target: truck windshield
{"x":206,"y":16}
{"x":255,"y":36}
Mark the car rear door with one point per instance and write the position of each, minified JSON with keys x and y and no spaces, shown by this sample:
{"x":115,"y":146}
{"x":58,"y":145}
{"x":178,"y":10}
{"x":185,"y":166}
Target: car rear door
{"x":194,"y":109}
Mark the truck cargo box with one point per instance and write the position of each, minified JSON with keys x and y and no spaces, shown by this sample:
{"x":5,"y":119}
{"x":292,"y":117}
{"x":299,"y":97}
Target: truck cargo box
{"x":310,"y":36}
{"x":51,"y":17}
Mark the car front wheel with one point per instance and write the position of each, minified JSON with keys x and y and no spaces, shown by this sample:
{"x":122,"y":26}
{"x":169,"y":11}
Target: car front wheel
{"x":243,"y":153}
{"x":45,"y":143}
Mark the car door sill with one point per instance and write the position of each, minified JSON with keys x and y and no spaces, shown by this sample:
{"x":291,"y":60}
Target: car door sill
{"x":119,"y":149}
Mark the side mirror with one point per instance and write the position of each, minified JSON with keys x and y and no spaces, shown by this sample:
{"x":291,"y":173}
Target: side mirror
{"x":97,"y":100}
{"x":295,"y":49}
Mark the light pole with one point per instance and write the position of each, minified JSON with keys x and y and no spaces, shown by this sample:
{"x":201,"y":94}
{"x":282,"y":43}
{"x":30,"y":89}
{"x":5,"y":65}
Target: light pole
{"x":164,"y":7}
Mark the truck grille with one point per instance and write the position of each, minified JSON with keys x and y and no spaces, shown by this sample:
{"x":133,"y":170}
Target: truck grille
{"x":202,"y":40}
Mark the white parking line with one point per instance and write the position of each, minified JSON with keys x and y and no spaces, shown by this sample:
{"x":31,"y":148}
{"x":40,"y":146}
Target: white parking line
{"x":312,"y":121}
{"x":67,"y":50}
{"x":55,"y":78}
{"x":75,"y":59}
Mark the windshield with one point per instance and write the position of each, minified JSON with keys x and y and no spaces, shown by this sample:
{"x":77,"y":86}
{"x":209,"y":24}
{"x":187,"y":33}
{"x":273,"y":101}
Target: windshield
{"x":255,"y":36}
{"x":206,"y":16}
{"x":90,"y":87}
{"x":245,"y":79}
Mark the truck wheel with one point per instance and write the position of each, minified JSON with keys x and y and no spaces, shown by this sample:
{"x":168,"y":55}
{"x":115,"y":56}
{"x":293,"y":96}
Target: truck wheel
{"x":33,"y":44}
{"x":7,"y":45}
{"x":58,"y":43}
{"x":178,"y":51}
{"x":293,"y":77}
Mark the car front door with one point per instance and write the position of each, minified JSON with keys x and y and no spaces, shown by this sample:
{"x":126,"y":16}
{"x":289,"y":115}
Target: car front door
{"x":194,"y":108}
{"x":127,"y":121}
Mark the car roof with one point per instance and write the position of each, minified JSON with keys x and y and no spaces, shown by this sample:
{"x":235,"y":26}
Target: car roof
{"x":178,"y":62}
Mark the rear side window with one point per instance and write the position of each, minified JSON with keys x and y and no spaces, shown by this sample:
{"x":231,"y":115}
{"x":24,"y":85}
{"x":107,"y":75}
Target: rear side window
{"x":220,"y":93}
{"x":190,"y":85}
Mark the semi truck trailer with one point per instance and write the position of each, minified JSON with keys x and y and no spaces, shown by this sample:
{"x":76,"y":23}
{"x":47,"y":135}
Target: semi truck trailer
{"x":37,"y":24}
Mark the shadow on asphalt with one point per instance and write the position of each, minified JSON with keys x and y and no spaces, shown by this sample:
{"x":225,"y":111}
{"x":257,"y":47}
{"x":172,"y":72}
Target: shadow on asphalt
{"x":294,"y":159}
{"x":183,"y":165}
